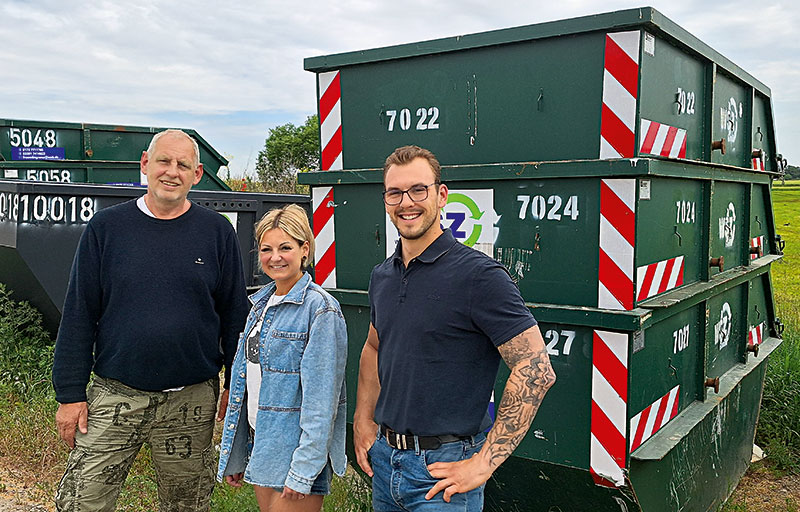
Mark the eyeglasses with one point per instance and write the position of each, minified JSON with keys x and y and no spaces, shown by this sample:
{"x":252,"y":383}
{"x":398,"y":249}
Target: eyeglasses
{"x":417,"y":193}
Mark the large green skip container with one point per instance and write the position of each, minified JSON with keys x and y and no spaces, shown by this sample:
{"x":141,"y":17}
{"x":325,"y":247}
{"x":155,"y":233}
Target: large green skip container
{"x":42,"y":151}
{"x":41,"y":224}
{"x":621,"y":170}
{"x":631,"y":424}
{"x":623,"y":84}
{"x":631,"y":419}
{"x":92,"y":171}
{"x":608,"y":234}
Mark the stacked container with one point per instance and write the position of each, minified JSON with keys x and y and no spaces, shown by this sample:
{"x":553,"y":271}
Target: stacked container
{"x":41,"y":224}
{"x":621,"y":170}
{"x":88,"y":153}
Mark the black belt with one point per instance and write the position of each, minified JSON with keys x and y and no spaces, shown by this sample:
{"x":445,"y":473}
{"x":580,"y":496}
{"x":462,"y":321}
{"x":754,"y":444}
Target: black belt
{"x":407,"y":441}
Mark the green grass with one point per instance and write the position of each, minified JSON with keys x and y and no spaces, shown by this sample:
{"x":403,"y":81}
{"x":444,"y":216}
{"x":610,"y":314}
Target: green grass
{"x":741,"y":506}
{"x":779,"y":421}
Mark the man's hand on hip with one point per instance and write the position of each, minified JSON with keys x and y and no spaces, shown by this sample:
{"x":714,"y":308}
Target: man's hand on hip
{"x":364,"y":433}
{"x":68,"y":417}
{"x":460,"y":476}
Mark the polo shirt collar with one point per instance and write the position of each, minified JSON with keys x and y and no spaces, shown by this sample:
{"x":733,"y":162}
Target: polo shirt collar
{"x":438,"y":247}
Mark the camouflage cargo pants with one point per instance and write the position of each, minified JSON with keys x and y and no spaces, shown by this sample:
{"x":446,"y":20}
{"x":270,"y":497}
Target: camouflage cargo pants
{"x":178,"y":426}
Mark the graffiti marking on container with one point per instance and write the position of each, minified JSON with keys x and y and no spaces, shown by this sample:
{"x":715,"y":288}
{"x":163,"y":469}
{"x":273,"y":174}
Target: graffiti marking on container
{"x":722,"y":329}
{"x":729,"y":118}
{"x":727,"y":226}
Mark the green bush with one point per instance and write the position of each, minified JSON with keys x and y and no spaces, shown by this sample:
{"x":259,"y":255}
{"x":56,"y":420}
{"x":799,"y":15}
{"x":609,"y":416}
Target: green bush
{"x":26,"y":350}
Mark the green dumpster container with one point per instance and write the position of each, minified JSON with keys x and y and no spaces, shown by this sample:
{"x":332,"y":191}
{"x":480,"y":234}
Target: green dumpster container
{"x":607,"y":234}
{"x":41,"y":223}
{"x":92,"y":171}
{"x":617,"y":85}
{"x":631,"y":419}
{"x":621,"y":170}
{"x":55,"y":142}
{"x":634,"y":421}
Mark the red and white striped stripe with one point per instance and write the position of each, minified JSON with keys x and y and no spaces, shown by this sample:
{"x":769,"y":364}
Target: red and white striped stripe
{"x":758,"y":164}
{"x":755,"y":336}
{"x":617,"y":237}
{"x":661,"y":139}
{"x":757,"y":242}
{"x":620,"y":90}
{"x":330,"y":120}
{"x":609,"y":407}
{"x":653,"y":417}
{"x":658,"y":277}
{"x":324,"y":237}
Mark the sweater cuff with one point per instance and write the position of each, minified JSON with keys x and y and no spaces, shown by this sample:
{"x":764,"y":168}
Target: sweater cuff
{"x":71,"y":395}
{"x":226,"y":383}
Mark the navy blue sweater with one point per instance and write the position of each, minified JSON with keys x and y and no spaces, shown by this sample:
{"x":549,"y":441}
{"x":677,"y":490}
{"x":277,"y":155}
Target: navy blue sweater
{"x":153,"y":303}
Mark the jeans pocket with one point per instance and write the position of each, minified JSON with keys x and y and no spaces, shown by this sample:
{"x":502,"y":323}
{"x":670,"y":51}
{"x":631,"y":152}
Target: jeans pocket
{"x":448,"y":452}
{"x":470,"y":449}
{"x":377,"y":437}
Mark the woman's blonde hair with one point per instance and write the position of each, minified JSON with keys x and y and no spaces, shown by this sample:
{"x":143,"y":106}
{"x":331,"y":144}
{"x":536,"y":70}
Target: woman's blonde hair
{"x":293,"y":220}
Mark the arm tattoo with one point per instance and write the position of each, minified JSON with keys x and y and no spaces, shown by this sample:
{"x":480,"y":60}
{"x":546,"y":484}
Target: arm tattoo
{"x":531,"y":377}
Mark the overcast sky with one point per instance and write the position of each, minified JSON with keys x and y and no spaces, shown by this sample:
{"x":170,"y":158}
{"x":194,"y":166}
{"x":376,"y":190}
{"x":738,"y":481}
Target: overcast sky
{"x":233,"y":72}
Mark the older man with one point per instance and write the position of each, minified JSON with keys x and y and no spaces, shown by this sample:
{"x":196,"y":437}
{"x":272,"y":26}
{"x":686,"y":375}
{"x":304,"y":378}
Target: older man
{"x":155,"y":303}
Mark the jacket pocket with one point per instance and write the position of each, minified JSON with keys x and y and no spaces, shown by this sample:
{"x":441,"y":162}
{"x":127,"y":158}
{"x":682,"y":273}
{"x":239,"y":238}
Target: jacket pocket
{"x":285,"y":351}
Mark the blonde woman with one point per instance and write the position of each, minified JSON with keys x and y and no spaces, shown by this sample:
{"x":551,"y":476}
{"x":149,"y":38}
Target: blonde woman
{"x":284,"y":429}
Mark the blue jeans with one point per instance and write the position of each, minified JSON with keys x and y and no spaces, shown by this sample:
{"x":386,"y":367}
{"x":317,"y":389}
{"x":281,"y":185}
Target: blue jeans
{"x":401,"y":478}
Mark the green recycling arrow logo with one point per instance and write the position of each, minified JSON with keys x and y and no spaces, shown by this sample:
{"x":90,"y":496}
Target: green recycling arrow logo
{"x":455,"y":197}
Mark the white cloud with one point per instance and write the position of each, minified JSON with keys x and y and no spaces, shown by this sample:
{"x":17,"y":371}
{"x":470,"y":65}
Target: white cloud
{"x":157,"y":62}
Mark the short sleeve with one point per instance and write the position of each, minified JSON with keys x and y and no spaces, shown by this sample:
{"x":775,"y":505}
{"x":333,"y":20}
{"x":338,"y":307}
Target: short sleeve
{"x":496,"y":305}
{"x":371,"y":294}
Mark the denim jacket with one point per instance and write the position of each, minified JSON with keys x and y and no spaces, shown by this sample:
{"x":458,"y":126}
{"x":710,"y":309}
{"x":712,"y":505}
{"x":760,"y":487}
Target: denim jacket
{"x":302,"y":401}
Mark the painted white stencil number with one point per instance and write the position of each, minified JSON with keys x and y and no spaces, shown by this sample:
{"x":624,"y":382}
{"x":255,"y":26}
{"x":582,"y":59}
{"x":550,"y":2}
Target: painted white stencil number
{"x":685,"y":212}
{"x":51,"y":175}
{"x":681,"y":339}
{"x":549,"y":209}
{"x":25,"y":208}
{"x":685,"y":101}
{"x":26,"y":138}
{"x":427,"y":119}
{"x":553,"y":338}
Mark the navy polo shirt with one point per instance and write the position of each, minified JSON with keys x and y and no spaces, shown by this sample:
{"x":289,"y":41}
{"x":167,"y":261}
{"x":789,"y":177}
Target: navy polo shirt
{"x":439,"y":324}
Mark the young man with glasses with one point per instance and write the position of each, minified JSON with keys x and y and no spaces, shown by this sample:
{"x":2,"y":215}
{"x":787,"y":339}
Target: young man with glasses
{"x":442,"y":317}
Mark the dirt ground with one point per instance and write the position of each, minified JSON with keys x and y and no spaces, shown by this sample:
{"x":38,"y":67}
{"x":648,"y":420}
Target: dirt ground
{"x":758,"y":491}
{"x":23,"y":493}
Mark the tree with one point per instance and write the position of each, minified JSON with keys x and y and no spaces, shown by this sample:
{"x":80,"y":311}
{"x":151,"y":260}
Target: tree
{"x":792,"y":172}
{"x":289,"y":149}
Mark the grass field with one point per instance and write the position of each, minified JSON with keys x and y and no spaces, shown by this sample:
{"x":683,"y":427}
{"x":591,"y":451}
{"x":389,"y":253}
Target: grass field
{"x":779,"y":425}
{"x":30,"y":449}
